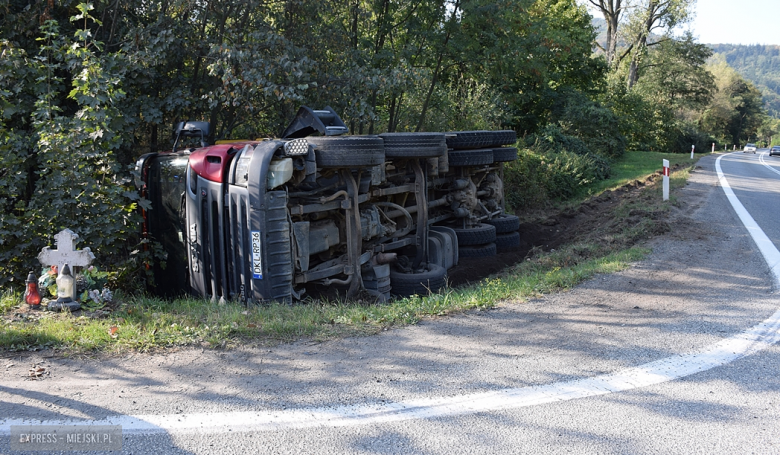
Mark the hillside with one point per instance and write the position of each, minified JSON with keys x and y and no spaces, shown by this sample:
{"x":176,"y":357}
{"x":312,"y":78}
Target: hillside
{"x":759,"y":64}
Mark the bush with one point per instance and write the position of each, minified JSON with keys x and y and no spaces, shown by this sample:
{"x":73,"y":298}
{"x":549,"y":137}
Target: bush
{"x":688,"y":135}
{"x":552,"y":139}
{"x":596,"y":126}
{"x":536,"y":179}
{"x":644,"y":124}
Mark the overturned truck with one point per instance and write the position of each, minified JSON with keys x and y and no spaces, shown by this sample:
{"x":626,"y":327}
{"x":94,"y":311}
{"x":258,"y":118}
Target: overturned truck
{"x":318,"y":210}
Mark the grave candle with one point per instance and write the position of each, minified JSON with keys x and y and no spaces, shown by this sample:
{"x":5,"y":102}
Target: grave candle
{"x":31,"y":295}
{"x":65,"y":285}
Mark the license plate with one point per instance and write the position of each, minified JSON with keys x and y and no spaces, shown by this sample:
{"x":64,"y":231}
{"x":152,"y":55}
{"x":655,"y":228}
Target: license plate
{"x":257,"y":256}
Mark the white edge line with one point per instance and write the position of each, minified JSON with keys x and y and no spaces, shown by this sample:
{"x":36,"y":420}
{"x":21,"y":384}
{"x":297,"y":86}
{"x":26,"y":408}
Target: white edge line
{"x":767,"y":248}
{"x":762,"y":161}
{"x":727,"y":350}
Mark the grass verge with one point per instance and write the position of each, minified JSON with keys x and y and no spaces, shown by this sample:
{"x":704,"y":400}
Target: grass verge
{"x":142,"y":323}
{"x":638,"y":165}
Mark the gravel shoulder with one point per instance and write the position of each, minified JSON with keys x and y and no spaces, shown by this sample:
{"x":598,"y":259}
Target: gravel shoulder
{"x":703,"y":281}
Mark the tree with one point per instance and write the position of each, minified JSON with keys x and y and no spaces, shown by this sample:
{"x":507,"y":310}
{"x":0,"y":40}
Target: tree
{"x":68,"y":155}
{"x":557,"y":34}
{"x":768,"y":131}
{"x":674,"y":74}
{"x":634,"y":22}
{"x":736,"y":111}
{"x":651,"y":17}
{"x":612,"y":10}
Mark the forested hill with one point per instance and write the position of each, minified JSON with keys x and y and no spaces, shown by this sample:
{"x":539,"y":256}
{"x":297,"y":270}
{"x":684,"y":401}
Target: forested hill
{"x":761,"y":65}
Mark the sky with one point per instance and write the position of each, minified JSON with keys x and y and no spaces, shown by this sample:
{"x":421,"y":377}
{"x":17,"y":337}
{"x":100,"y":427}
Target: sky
{"x":737,"y":21}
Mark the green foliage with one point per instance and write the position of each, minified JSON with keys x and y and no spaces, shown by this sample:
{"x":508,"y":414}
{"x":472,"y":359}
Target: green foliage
{"x":552,"y":139}
{"x":736,"y":112}
{"x":93,"y":278}
{"x":650,"y":123}
{"x":536,"y":179}
{"x":760,"y":65}
{"x":690,"y":135}
{"x":642,"y":122}
{"x":595,"y":125}
{"x":67,"y":154}
{"x":8,"y":300}
{"x":557,"y":34}
{"x":768,"y":132}
{"x":674,"y":74}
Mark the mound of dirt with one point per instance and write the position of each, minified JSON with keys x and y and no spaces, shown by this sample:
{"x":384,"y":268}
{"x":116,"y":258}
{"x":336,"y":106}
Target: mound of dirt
{"x":594,"y":219}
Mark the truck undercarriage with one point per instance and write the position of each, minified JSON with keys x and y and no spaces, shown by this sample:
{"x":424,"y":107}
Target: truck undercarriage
{"x":279,"y":219}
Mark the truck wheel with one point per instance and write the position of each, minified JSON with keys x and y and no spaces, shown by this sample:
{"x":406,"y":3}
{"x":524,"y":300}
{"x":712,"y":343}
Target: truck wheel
{"x":509,"y":241}
{"x":470,"y":157}
{"x":504,"y":137}
{"x":505,"y":223}
{"x":348,"y":151}
{"x":433,"y":278}
{"x":504,"y":154}
{"x":469,"y":139}
{"x":477,"y":235}
{"x":478,"y":251}
{"x":414,"y":145}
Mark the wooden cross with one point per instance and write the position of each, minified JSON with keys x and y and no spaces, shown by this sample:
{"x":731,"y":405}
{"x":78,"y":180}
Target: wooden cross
{"x":66,"y":252}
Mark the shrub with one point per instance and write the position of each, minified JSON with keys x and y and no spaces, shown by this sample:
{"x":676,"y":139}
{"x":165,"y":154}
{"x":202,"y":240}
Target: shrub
{"x":536,"y":179}
{"x":596,"y":126}
{"x":552,"y":139}
{"x":687,"y":135}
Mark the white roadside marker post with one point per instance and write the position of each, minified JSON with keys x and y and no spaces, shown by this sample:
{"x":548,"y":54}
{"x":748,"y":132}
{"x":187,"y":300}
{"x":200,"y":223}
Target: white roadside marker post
{"x":693,"y":147}
{"x":713,"y":147}
{"x":666,"y":180}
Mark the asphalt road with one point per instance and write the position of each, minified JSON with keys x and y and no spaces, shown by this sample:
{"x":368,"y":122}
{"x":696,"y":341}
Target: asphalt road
{"x":669,"y":356}
{"x":755,"y":179}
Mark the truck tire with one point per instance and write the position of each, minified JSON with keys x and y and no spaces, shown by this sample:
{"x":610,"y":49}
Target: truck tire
{"x":504,"y":154}
{"x":478,"y":157}
{"x":504,"y":137}
{"x":477,"y":235}
{"x":505,"y":223}
{"x":279,"y":251}
{"x":506,"y":242}
{"x":478,"y":251}
{"x":414,"y":145}
{"x":465,"y":140}
{"x":433,"y":278}
{"x":348,"y":151}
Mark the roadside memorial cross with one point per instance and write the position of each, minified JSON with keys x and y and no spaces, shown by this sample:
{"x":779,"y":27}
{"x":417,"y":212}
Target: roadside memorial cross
{"x":66,"y":252}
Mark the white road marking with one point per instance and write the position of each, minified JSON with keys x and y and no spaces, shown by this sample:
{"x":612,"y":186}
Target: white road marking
{"x":746,"y":343}
{"x":767,"y":248}
{"x":769,"y":166}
